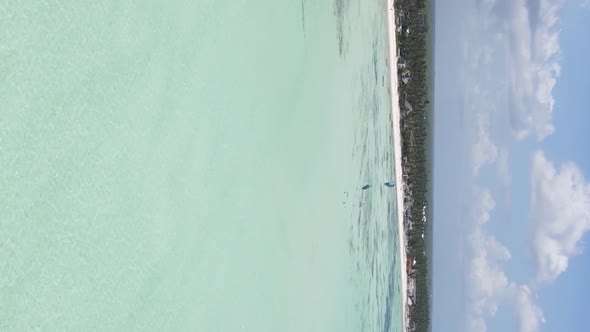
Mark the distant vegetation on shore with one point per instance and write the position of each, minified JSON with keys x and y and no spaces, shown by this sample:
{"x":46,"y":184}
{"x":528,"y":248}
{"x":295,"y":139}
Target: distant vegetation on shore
{"x":415,"y":67}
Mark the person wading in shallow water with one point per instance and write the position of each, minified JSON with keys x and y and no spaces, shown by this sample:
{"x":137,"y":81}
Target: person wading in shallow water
{"x":388,"y":184}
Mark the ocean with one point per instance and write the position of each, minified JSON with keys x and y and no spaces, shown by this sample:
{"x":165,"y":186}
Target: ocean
{"x":196,"y":166}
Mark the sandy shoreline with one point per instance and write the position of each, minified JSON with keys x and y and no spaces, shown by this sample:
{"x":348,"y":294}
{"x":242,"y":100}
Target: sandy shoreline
{"x":395,"y":115}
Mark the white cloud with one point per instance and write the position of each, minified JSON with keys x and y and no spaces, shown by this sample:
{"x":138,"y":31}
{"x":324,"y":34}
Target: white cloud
{"x":503,"y":166}
{"x":483,"y":151}
{"x":559,"y":215}
{"x":483,"y":205}
{"x":487,"y":280}
{"x":511,"y":55}
{"x":476,"y":324}
{"x":528,"y":314}
{"x":512,"y":49}
{"x":488,"y":284}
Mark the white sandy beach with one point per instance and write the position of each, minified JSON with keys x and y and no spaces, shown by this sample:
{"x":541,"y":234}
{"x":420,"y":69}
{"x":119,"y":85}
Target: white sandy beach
{"x":395,"y":115}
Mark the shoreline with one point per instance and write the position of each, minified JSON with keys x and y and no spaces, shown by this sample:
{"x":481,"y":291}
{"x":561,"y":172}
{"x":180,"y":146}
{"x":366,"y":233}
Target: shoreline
{"x":397,"y":150}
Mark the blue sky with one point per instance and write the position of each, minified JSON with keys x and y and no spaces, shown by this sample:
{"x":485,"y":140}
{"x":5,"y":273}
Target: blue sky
{"x":512,"y":123}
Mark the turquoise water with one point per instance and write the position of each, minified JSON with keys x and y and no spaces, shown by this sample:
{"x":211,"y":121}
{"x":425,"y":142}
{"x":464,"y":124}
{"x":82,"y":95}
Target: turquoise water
{"x":196,"y":166}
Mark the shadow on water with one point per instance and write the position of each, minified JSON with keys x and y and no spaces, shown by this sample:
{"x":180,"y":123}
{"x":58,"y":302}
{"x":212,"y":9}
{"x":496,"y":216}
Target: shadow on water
{"x":340,"y":11}
{"x":303,"y":16}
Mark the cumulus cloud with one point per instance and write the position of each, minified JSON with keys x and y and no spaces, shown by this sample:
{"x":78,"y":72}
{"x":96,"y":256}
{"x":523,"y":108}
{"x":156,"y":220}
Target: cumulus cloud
{"x":483,"y":205}
{"x":487,"y":281}
{"x":528,"y":314}
{"x":513,"y":51}
{"x":511,"y":56}
{"x":559,"y":215}
{"x":477,"y":324}
{"x":490,"y":288}
{"x":483,"y":151}
{"x":488,"y":284}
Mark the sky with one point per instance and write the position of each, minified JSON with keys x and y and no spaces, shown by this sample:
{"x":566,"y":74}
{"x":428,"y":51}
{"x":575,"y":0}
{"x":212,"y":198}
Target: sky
{"x":511,"y":168}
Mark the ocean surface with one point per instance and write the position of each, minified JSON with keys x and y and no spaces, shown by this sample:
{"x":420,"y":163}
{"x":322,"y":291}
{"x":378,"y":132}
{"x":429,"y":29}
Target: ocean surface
{"x":196,"y":166}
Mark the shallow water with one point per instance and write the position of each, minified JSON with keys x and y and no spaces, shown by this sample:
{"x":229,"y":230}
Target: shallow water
{"x":196,"y":166}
